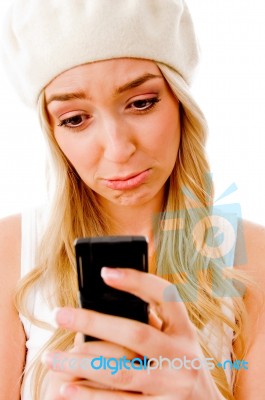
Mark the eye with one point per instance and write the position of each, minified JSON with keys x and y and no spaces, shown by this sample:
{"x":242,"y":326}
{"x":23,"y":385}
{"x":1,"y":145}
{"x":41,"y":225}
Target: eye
{"x":75,"y":121}
{"x":144,"y":104}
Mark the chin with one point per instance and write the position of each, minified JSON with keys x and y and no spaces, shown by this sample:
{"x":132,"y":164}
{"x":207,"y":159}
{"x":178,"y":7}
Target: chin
{"x":134,"y":199}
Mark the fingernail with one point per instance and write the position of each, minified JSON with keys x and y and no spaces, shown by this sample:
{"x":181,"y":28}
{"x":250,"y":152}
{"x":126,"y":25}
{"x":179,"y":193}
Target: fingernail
{"x":68,"y":390}
{"x":46,"y":358}
{"x":54,"y":360}
{"x":62,"y":317}
{"x":49,"y":358}
{"x":111,"y":273}
{"x":75,"y":349}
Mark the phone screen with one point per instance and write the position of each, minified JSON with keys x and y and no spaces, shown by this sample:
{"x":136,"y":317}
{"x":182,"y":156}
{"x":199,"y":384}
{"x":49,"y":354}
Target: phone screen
{"x":110,"y":251}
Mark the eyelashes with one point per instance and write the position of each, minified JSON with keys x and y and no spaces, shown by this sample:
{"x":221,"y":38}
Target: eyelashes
{"x":144,"y":104}
{"x":141,"y":106}
{"x":75,"y":121}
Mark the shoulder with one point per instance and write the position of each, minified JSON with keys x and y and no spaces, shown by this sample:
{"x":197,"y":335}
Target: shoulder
{"x":250,"y":260}
{"x":10,"y":251}
{"x":10,"y":244}
{"x":250,"y":251}
{"x":12,"y":346}
{"x":10,"y":224}
{"x":255,"y":235}
{"x":251,"y":383}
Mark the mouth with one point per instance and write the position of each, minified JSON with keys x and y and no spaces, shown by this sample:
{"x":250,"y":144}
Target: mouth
{"x":127,"y":182}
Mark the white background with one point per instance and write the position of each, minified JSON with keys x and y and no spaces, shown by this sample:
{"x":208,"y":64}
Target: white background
{"x":229,"y":86}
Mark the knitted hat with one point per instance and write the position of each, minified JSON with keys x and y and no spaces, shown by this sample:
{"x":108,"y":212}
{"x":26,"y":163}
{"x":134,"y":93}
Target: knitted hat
{"x":43,"y":38}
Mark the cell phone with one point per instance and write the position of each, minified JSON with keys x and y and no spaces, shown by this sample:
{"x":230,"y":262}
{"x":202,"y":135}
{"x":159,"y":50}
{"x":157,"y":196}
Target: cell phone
{"x":110,"y":251}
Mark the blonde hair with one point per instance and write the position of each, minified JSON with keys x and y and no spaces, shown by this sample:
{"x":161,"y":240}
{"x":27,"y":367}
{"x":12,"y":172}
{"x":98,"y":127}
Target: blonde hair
{"x":77,"y":213}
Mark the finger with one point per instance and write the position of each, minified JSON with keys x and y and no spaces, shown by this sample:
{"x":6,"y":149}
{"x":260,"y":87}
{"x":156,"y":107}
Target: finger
{"x":118,"y":374}
{"x":79,"y":339}
{"x":53,"y":382}
{"x":154,"y":320}
{"x":106,"y":349}
{"x":80,"y":392}
{"x":138,"y":337}
{"x":161,"y":295}
{"x":92,"y":384}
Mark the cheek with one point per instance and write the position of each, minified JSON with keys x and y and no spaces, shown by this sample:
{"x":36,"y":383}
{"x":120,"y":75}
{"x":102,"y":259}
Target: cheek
{"x":166,"y":138}
{"x":69,"y":149}
{"x":172,"y":131}
{"x":78,"y":152}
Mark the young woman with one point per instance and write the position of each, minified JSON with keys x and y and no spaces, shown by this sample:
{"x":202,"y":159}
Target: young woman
{"x":126,"y":142}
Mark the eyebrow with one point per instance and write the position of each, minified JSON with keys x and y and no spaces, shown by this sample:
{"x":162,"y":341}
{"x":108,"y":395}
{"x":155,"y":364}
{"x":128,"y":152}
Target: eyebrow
{"x":83,"y":96}
{"x":136,"y":82}
{"x":66,"y":97}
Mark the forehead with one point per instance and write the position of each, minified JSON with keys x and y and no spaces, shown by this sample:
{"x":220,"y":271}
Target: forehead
{"x":110,"y":73}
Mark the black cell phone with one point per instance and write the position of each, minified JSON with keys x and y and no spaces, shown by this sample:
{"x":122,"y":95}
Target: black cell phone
{"x":110,"y":251}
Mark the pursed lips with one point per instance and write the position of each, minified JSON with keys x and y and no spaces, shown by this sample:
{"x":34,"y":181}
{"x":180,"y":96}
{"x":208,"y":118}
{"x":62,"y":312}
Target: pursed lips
{"x":127,"y":182}
{"x":124,"y":178}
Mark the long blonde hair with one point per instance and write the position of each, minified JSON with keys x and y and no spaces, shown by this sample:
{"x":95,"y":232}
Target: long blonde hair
{"x":77,"y":213}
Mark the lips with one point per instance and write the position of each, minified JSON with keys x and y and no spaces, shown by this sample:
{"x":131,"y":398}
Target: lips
{"x":127,"y":182}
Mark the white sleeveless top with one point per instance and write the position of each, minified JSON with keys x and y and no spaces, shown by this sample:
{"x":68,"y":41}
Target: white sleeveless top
{"x":33,"y":225}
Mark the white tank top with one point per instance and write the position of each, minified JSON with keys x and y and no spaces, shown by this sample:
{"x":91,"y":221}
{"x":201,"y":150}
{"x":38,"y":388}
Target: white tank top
{"x":33,"y":224}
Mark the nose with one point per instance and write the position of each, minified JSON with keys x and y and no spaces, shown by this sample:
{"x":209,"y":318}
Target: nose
{"x":118,"y":140}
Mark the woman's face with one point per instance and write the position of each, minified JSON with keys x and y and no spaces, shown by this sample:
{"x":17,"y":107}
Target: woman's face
{"x":118,"y":123}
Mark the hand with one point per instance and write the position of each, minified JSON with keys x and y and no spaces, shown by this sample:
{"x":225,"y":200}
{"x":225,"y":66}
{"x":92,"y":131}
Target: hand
{"x":55,"y":379}
{"x":177,"y":339}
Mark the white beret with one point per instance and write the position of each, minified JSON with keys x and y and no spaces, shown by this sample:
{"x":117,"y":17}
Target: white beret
{"x":43,"y":38}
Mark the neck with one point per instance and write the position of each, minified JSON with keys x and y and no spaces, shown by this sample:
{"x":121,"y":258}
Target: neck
{"x":135,"y":220}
